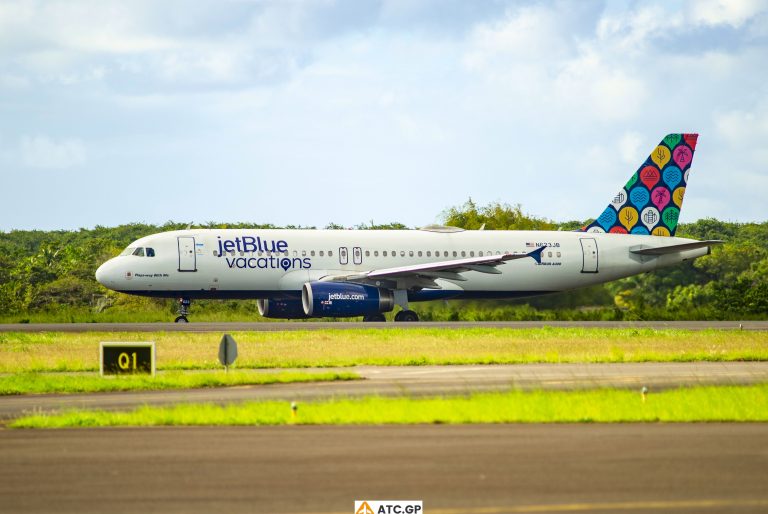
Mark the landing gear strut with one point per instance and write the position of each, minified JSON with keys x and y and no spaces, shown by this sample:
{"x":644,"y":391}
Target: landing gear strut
{"x":401,"y":299}
{"x":183,"y":310}
{"x":406,"y":315}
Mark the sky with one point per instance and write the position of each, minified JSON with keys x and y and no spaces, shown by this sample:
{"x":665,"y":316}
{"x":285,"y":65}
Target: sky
{"x":359,"y":111}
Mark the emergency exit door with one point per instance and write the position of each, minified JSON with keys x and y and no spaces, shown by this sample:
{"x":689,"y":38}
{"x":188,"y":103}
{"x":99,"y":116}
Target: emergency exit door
{"x":343,"y":255}
{"x":589,"y":252}
{"x":187,"y":257}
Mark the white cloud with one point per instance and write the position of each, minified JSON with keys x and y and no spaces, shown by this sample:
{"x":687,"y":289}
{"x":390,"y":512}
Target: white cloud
{"x":530,"y":34}
{"x":744,"y":129}
{"x":725,"y":12}
{"x":44,"y":152}
{"x":630,"y":31}
{"x":631,"y":148}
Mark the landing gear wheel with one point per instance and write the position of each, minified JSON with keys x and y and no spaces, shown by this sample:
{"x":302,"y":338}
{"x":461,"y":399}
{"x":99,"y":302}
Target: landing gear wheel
{"x":374,"y":317}
{"x":406,"y":316}
{"x":181,"y":319}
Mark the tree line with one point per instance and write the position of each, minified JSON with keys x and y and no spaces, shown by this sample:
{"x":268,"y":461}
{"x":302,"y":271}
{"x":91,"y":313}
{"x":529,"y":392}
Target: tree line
{"x":50,"y":274}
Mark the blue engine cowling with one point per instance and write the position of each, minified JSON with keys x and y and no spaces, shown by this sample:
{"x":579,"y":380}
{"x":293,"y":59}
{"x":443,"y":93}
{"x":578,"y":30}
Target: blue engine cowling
{"x":338,"y":300}
{"x":281,"y":308}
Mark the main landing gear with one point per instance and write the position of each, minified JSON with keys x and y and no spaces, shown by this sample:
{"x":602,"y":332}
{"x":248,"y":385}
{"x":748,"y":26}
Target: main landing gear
{"x":401,"y":299}
{"x":184,"y":304}
{"x":406,"y":315}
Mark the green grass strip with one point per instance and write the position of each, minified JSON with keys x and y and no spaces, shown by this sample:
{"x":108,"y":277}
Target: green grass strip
{"x":27,"y":352}
{"x":36,"y":383}
{"x":695,"y":404}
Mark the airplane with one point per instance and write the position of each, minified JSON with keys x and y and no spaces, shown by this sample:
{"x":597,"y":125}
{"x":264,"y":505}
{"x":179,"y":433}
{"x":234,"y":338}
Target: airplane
{"x":299,"y":274}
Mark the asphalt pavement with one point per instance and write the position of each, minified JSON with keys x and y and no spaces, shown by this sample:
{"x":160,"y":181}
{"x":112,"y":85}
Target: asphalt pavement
{"x":489,"y":469}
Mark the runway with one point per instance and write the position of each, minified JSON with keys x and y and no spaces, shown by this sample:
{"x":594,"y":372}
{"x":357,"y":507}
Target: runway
{"x":420,"y":380}
{"x":321,"y":325}
{"x":488,"y":469}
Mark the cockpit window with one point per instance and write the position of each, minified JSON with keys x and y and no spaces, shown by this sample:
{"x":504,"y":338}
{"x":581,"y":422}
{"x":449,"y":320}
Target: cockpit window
{"x":127,"y":251}
{"x":139,"y":252}
{"x":150,"y":252}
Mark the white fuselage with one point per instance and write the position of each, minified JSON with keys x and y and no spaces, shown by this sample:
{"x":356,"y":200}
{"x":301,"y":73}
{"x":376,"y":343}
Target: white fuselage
{"x":255,"y":263}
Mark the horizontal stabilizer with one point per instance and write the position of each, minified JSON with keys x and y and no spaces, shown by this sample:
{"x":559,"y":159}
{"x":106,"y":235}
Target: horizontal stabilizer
{"x":663,"y":250}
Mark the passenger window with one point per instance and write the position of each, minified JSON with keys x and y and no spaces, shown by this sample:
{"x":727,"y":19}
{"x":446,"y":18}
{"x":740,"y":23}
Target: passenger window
{"x":549,"y":254}
{"x":139,"y":252}
{"x":367,"y":253}
{"x":295,"y":253}
{"x":384,"y":253}
{"x":419,"y":253}
{"x":215,"y":253}
{"x":480,"y":253}
{"x":322,"y":253}
{"x":429,"y":253}
{"x":375,"y":253}
{"x":394,"y":253}
{"x":150,"y":252}
{"x":410,"y":254}
{"x":558,"y":254}
{"x":402,"y":253}
{"x":455,"y":254}
{"x":445,"y":254}
{"x":472,"y":253}
{"x":312,"y":253}
{"x":303,"y":253}
{"x":330,"y":253}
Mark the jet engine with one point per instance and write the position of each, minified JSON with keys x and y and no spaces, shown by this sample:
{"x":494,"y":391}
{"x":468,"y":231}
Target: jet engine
{"x":338,"y":299}
{"x":281,"y":308}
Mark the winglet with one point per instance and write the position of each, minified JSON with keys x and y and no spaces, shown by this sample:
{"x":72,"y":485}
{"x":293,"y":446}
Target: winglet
{"x":536,"y":254}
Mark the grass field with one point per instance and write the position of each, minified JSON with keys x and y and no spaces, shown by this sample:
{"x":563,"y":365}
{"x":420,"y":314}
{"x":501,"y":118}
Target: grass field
{"x":33,"y":352}
{"x":697,"y":404}
{"x":37,"y":383}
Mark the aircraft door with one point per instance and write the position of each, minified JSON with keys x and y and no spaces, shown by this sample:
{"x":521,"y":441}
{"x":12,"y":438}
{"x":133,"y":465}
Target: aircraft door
{"x":589,"y":253}
{"x":187,"y":257}
{"x":343,"y":256}
{"x":357,"y":255}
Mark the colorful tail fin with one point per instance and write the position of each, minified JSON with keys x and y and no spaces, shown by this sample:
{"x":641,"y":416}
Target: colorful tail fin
{"x":650,"y":203}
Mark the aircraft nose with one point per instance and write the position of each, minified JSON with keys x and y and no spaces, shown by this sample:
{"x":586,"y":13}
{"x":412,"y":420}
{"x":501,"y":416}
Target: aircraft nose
{"x":102,"y":274}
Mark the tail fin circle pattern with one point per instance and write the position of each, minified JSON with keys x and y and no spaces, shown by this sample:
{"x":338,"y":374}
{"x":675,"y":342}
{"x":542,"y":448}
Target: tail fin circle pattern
{"x":650,"y":202}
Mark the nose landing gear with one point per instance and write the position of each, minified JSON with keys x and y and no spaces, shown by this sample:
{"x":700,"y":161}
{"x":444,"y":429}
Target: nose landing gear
{"x":184,"y":304}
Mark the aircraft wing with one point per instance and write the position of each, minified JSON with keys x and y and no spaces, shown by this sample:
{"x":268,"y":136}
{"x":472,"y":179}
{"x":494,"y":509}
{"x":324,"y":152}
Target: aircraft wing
{"x":423,"y":275}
